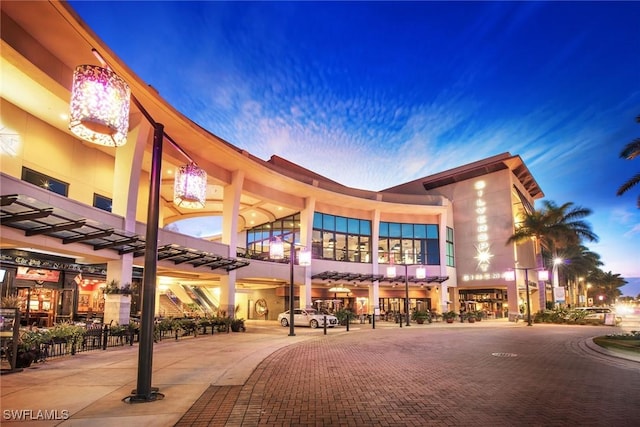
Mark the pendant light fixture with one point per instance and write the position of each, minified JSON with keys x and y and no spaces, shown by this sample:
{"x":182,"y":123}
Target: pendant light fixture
{"x":99,"y":107}
{"x":190,"y":187}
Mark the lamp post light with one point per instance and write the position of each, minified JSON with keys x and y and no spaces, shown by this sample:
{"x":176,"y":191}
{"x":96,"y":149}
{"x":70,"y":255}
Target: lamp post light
{"x":421,"y":273}
{"x":554,"y":271}
{"x":100,"y":114}
{"x":510,"y":276}
{"x":276,"y":251}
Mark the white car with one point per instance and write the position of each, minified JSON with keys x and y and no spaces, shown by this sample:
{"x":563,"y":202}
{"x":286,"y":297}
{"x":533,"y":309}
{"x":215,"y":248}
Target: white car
{"x":307,"y":317}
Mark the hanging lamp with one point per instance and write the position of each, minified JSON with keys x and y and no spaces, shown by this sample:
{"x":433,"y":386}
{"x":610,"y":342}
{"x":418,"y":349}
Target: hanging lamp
{"x":190,"y":187}
{"x":99,"y":106}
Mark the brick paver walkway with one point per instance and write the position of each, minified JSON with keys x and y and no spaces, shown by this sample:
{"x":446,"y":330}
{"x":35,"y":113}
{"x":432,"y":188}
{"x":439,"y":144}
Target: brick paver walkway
{"x":426,"y":376}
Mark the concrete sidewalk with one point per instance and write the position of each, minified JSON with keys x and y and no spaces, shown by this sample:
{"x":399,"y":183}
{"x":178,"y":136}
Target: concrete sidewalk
{"x":89,"y":388}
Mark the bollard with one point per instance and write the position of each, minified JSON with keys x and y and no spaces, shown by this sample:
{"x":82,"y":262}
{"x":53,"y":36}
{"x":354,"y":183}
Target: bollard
{"x":400,"y":319}
{"x":105,"y":337}
{"x":373,"y":320}
{"x":325,"y":325}
{"x":348,"y":321}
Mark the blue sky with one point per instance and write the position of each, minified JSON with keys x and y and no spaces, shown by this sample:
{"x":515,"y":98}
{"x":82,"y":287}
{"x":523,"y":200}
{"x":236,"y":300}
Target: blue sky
{"x":408,"y":89}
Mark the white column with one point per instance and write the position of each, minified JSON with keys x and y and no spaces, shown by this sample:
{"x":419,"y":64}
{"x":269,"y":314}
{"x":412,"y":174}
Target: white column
{"x":126,"y":174}
{"x":306,"y":232}
{"x":230,"y":214}
{"x":374,"y":291}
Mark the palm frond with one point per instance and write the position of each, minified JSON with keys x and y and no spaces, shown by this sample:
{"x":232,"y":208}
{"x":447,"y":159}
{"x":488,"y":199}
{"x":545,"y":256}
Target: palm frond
{"x":631,"y":150}
{"x":628,"y":185}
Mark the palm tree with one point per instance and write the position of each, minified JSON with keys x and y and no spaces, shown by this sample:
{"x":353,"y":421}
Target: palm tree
{"x":605,"y":285}
{"x":629,"y":152}
{"x":579,"y":263}
{"x":553,"y":227}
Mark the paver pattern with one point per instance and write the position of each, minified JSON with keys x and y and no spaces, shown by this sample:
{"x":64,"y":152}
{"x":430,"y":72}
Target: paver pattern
{"x":433,"y":376}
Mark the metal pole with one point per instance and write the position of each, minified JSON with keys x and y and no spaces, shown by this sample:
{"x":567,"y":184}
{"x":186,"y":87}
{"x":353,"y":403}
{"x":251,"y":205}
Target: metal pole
{"x":144,"y":392}
{"x":406,"y":288}
{"x":526,"y":283}
{"x":292,"y":260}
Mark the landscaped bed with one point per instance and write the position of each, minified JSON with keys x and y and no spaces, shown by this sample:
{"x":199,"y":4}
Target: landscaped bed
{"x":626,"y":342}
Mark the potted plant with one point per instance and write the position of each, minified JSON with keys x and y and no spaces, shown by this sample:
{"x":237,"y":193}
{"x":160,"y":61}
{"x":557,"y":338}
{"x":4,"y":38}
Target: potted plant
{"x":470,"y":316}
{"x":29,"y":347}
{"x":344,"y":315}
{"x":237,"y":325}
{"x":449,"y":316}
{"x":421,"y":316}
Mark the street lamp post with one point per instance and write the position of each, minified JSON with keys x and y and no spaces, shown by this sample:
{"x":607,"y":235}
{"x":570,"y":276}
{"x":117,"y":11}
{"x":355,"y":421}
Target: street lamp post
{"x":100,"y":114}
{"x":511,"y":276}
{"x":420,"y":274}
{"x":276,"y":251}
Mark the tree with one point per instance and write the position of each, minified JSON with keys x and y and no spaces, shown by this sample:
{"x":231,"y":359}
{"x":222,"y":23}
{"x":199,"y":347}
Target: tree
{"x":629,"y":152}
{"x":579,"y":263}
{"x":553,"y":227}
{"x":606,"y":285}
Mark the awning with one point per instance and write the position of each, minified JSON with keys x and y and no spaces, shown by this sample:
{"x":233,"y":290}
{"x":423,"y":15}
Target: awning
{"x":335,"y":275}
{"x":37,"y":218}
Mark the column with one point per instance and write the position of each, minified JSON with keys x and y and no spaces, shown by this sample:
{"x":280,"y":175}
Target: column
{"x":306,"y":231}
{"x":230,"y":214}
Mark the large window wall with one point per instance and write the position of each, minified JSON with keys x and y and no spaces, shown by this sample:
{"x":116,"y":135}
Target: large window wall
{"x":409,"y":243}
{"x":341,"y":239}
{"x":258,"y":238}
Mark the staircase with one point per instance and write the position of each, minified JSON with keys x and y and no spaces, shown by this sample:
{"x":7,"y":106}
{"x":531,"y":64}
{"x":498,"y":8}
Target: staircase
{"x":168,"y":308}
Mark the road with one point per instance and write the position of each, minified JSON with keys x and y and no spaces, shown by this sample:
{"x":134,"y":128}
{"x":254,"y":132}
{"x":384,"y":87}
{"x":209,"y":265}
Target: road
{"x":475,"y":375}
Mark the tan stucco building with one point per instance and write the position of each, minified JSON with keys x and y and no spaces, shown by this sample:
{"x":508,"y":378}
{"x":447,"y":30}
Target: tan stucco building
{"x":76,"y":213}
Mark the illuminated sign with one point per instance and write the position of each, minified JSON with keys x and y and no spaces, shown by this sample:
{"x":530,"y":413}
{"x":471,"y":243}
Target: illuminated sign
{"x":483,"y":247}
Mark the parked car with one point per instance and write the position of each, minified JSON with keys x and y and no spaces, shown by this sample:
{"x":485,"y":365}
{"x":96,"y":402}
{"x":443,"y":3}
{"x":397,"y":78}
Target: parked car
{"x":307,"y":317}
{"x":598,"y":314}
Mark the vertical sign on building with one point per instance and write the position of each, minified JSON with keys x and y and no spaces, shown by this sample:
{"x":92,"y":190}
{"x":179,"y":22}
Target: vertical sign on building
{"x":483,"y":248}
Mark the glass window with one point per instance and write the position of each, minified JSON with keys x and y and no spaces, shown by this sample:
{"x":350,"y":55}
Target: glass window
{"x":384,"y":229}
{"x":45,"y":181}
{"x":341,"y":224}
{"x":433,"y":252}
{"x":354,"y":226}
{"x":394,"y":229}
{"x":450,"y":249}
{"x":365,"y":227}
{"x":407,"y":230}
{"x":420,"y":231}
{"x":432,"y":231}
{"x":317,"y":220}
{"x":102,"y":202}
{"x":329,"y":222}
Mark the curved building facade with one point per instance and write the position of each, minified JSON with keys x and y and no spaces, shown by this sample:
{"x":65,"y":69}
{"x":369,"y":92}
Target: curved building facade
{"x":74,"y":214}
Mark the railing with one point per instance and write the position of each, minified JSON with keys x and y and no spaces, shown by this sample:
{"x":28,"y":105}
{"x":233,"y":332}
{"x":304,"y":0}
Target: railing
{"x":102,"y":337}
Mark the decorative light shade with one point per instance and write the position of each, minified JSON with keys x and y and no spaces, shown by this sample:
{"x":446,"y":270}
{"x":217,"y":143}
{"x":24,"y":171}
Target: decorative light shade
{"x":510,"y":275}
{"x":99,"y":106}
{"x":543,"y":275}
{"x":421,"y":273}
{"x":304,"y":257}
{"x":276,"y":249}
{"x":190,"y":187}
{"x":391,"y":271}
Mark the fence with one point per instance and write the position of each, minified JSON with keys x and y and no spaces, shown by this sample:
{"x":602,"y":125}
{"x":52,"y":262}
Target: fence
{"x":101,"y":337}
